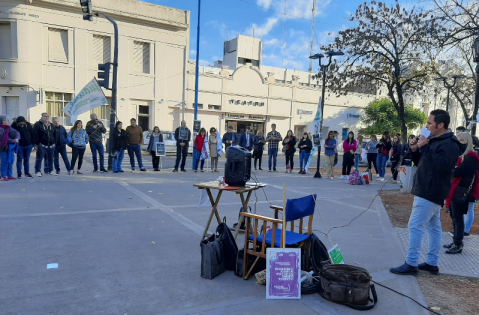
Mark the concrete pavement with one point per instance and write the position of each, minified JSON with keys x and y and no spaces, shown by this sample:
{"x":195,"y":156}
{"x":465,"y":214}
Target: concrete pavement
{"x":128,"y":244}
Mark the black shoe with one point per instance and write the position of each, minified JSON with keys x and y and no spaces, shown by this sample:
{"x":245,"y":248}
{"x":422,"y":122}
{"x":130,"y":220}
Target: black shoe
{"x":183,"y":170}
{"x":274,"y":170}
{"x":467,"y":234}
{"x":103,"y":170}
{"x":29,"y":175}
{"x":405,"y":269}
{"x":260,"y":169}
{"x":121,"y":171}
{"x":448,"y":245}
{"x":175,"y":170}
{"x":255,"y":168}
{"x":156,"y":170}
{"x":19,"y":176}
{"x":94,"y":171}
{"x":116,"y":172}
{"x":455,"y":250}
{"x":58,"y":172}
{"x":434,"y":270}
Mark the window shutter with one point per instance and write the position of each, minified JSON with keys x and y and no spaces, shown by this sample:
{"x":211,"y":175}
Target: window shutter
{"x":5,"y":40}
{"x":146,"y":58}
{"x":57,"y":45}
{"x":141,"y":57}
{"x":101,"y":49}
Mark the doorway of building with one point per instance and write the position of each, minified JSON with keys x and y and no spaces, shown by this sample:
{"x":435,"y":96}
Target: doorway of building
{"x":11,"y":107}
{"x":240,"y":126}
{"x":299,"y":130}
{"x":144,"y":117}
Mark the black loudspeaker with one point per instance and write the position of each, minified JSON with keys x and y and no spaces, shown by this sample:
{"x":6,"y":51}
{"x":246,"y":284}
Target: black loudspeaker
{"x":238,"y":166}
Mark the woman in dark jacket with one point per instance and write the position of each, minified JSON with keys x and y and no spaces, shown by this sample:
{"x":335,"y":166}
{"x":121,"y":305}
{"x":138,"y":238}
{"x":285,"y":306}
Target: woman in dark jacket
{"x":9,"y":138}
{"x":305,"y":145}
{"x":25,"y":146}
{"x":155,"y":137}
{"x":406,"y":153}
{"x":395,"y":157}
{"x":289,"y":142}
{"x":119,"y":145}
{"x":258,"y":145}
{"x":384,"y":146}
{"x":465,"y":176}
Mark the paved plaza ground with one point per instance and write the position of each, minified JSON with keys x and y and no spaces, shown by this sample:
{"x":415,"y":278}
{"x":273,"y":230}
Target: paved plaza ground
{"x":129,"y":244}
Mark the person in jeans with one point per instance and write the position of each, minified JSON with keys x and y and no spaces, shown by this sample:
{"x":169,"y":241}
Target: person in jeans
{"x":246,"y":140}
{"x":289,"y":142}
{"x":384,"y":146}
{"x":155,"y":138}
{"x":199,"y":142}
{"x":435,"y":158}
{"x":349,"y":146}
{"x":9,"y":137}
{"x":182,"y":137}
{"x":25,"y":146}
{"x":359,"y":151}
{"x":330,"y":145}
{"x":134,"y":138}
{"x":45,"y":136}
{"x":305,"y":145}
{"x":119,"y":145}
{"x":273,"y":138}
{"x":466,"y":176}
{"x":78,"y":138}
{"x":95,"y":130}
{"x":258,"y":147}
{"x":60,"y":147}
{"x":215,"y":143}
{"x":372,"y":153}
{"x":395,"y":157}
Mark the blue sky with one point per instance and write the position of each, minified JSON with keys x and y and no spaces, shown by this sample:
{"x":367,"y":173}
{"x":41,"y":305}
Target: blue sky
{"x":225,"y":19}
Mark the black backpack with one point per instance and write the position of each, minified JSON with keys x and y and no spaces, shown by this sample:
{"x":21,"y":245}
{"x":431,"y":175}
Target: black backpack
{"x":230,"y":249}
{"x":318,"y":254}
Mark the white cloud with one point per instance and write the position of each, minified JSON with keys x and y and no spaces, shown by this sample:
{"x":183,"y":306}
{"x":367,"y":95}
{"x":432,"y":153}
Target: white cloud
{"x":263,"y":30}
{"x":264,"y":3}
{"x":294,"y":9}
{"x":271,"y":41}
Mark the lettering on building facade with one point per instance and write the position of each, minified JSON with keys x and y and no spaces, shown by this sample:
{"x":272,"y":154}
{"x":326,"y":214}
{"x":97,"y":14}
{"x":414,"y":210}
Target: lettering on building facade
{"x":20,"y":13}
{"x":304,"y":112}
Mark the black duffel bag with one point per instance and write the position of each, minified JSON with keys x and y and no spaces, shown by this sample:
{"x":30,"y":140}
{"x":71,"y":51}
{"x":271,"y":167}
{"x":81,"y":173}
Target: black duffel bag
{"x":212,"y":259}
{"x":230,"y":249}
{"x":348,"y":285}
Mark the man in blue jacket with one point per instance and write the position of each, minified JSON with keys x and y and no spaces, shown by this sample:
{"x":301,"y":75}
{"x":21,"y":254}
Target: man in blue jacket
{"x":61,"y":141}
{"x":246,"y":140}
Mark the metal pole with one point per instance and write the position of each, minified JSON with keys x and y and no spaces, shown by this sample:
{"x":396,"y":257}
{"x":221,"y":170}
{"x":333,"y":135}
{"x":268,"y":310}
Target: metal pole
{"x":323,"y":90}
{"x":476,"y":100}
{"x":114,"y":90}
{"x":197,"y":70}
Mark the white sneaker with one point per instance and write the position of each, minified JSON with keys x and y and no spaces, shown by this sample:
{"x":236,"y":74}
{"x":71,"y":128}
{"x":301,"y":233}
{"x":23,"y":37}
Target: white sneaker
{"x":342,"y":177}
{"x":347,"y":177}
{"x":381,"y":179}
{"x":39,"y":174}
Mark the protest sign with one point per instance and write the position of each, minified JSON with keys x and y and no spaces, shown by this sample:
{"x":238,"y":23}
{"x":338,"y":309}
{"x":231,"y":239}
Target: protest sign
{"x":160,"y":149}
{"x":283,"y":273}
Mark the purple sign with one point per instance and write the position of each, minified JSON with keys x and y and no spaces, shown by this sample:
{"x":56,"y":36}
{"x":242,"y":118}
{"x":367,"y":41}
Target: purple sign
{"x":283,"y":273}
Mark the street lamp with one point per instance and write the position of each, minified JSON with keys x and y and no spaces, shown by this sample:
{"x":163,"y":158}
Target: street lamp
{"x":475,"y":51}
{"x":449,"y":87}
{"x":323,"y":69}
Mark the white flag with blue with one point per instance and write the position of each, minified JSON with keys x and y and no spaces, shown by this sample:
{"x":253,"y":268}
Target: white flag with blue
{"x":205,"y":151}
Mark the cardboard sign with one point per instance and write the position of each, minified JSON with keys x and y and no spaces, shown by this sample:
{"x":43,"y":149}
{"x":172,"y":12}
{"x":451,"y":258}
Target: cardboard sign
{"x":316,"y":140}
{"x":183,"y":133}
{"x":336,"y":256}
{"x":160,"y":149}
{"x":197,"y":126}
{"x":283,"y":273}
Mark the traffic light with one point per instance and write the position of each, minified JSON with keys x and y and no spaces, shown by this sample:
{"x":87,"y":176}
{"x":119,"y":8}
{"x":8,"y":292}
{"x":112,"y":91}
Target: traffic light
{"x":104,"y":75}
{"x":86,"y":7}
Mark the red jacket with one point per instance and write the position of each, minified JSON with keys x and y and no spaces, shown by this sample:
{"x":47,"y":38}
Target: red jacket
{"x":199,"y":141}
{"x":456,"y":180}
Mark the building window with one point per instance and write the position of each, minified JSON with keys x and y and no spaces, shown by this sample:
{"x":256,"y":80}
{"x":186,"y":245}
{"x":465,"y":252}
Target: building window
{"x":103,"y":113}
{"x":55,"y":104}
{"x":214,"y":107}
{"x":101,"y":49}
{"x":255,"y":63}
{"x":6,"y":40}
{"x":57,"y":45}
{"x":141,"y":57}
{"x":144,"y":117}
{"x":200,"y":106}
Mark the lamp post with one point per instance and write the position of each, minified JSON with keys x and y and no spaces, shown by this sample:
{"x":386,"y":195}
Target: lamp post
{"x":197,"y":70}
{"x":475,"y":50}
{"x":322,"y":69}
{"x":449,"y":86}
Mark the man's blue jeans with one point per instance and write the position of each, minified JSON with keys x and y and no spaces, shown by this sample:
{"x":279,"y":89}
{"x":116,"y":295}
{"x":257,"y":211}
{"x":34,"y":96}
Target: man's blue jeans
{"x":273,"y":153}
{"x":61,"y":150}
{"x":381,"y":162}
{"x":24,"y":155}
{"x":6,"y":169}
{"x":116,"y":164}
{"x":47,"y":154}
{"x":469,"y":217}
{"x":303,"y":159}
{"x":132,"y":151}
{"x":425,"y":216}
{"x":101,"y":152}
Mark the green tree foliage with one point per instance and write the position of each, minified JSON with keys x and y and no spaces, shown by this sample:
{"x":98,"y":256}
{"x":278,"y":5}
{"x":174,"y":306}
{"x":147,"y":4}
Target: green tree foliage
{"x":381,"y":115}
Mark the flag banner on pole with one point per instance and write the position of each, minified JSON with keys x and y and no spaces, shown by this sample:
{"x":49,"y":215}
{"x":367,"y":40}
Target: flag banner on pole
{"x":205,"y":151}
{"x":219,"y":146}
{"x":317,"y":119}
{"x":313,"y":151}
{"x":90,"y":97}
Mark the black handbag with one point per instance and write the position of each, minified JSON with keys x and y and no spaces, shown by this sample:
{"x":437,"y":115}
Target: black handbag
{"x":461,"y":194}
{"x":230,"y":249}
{"x":212,"y":259}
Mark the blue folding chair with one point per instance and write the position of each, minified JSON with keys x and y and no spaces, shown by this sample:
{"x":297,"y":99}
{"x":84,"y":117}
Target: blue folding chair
{"x":296,"y":210}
